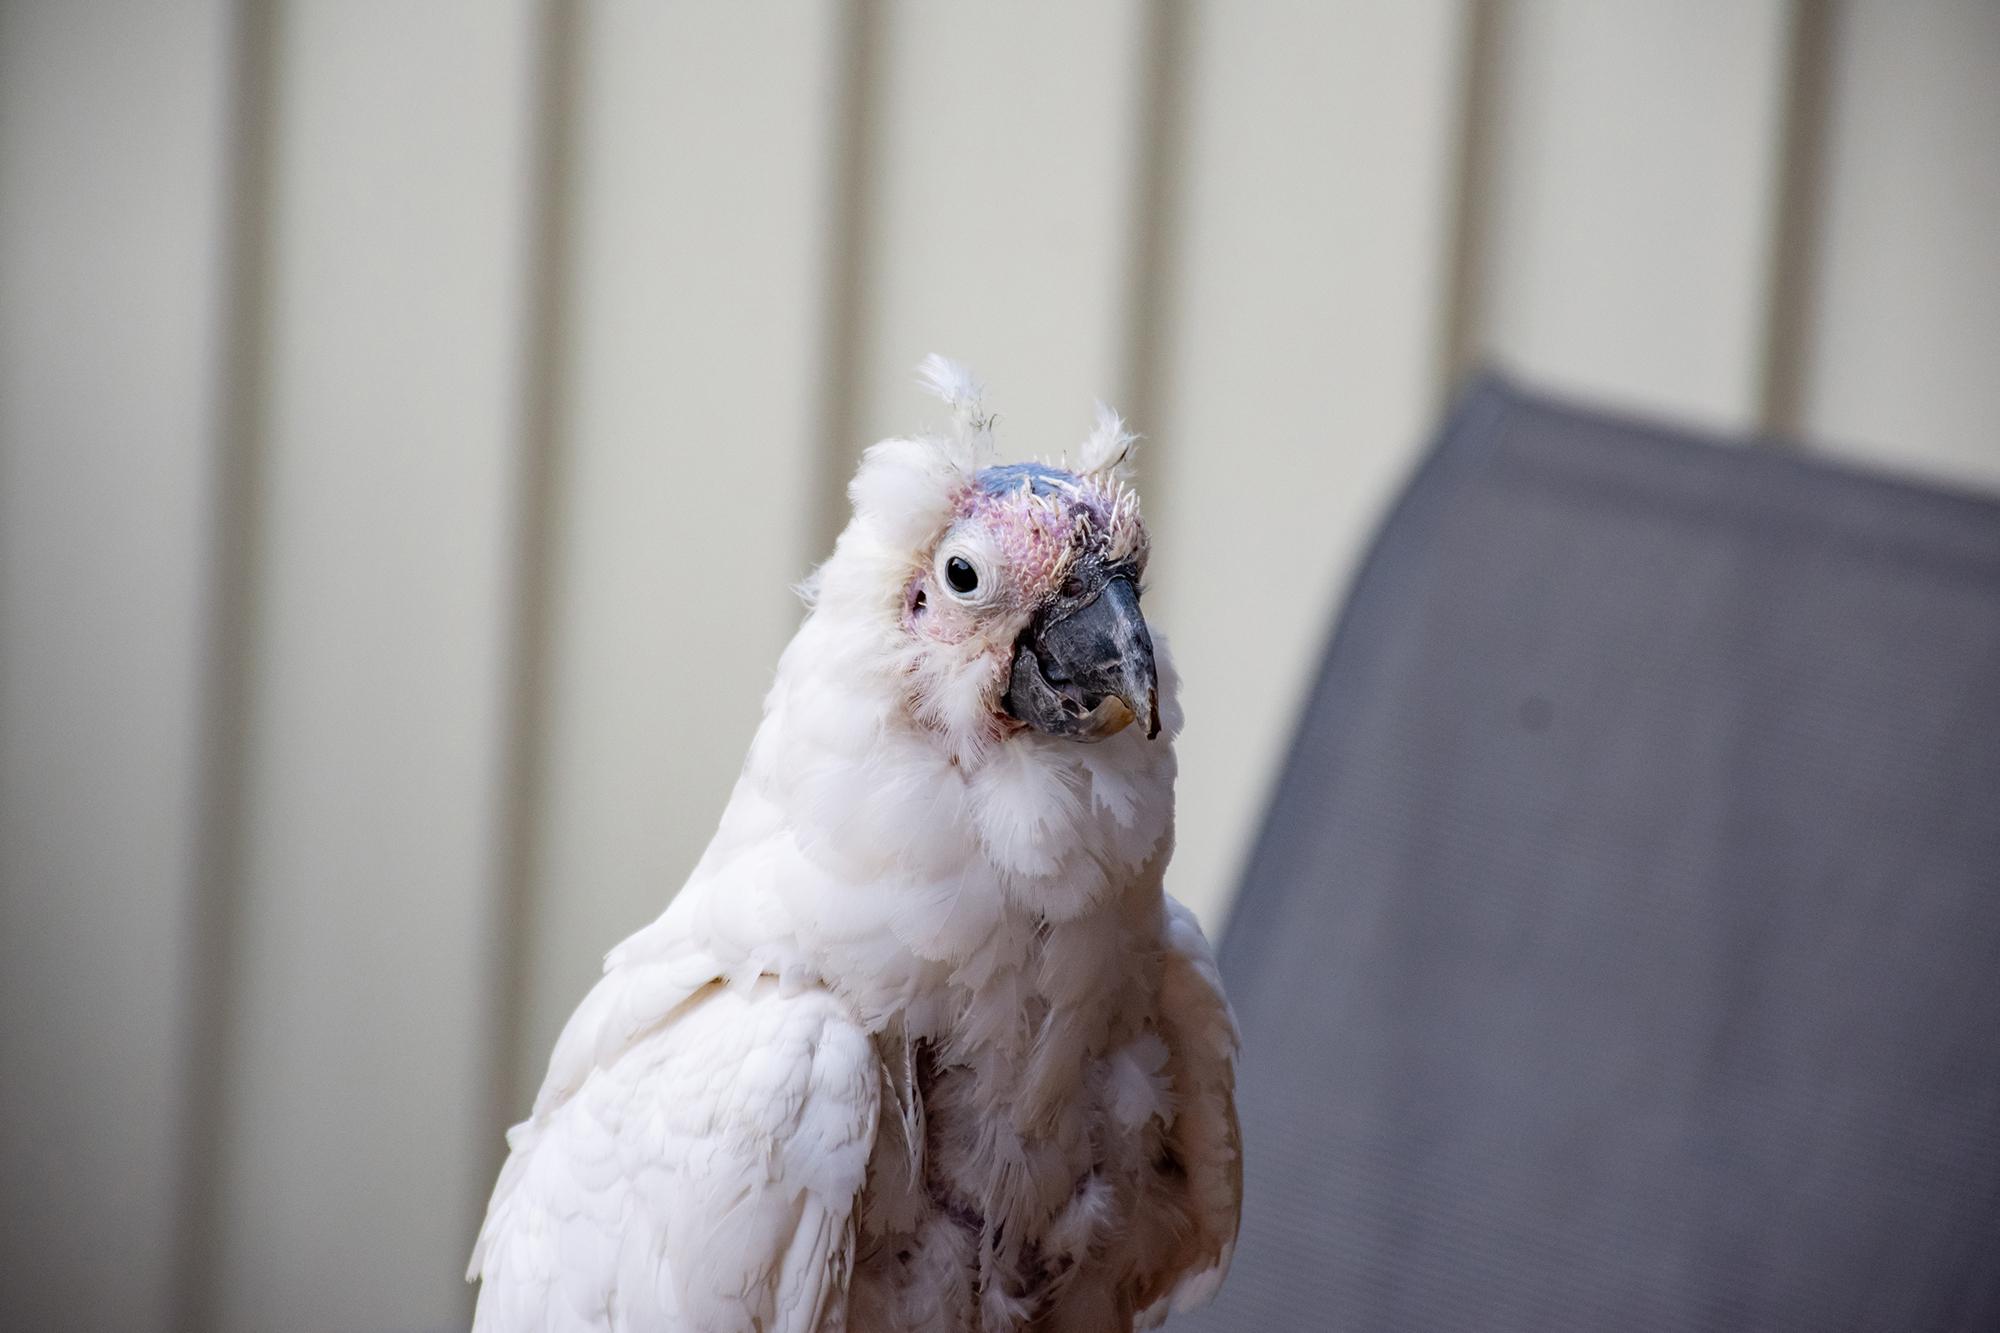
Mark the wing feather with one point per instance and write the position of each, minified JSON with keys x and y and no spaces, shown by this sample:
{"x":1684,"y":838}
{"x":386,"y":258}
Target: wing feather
{"x":1203,"y":1040}
{"x":705,"y":1181}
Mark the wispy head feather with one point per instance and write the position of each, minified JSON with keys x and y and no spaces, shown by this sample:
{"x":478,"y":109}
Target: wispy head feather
{"x":1108,"y":451}
{"x":972,"y":424}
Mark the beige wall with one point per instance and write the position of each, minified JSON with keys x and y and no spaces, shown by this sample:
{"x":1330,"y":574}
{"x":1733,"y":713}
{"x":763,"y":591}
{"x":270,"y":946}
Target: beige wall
{"x":412,"y":417}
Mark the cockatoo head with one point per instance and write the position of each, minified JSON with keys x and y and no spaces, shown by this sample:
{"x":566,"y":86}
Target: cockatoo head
{"x":1004,"y":597}
{"x":1040,"y":569}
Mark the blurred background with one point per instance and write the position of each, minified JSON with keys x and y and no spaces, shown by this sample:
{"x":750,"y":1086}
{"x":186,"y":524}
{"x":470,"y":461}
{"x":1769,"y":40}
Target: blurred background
{"x":413,"y":415}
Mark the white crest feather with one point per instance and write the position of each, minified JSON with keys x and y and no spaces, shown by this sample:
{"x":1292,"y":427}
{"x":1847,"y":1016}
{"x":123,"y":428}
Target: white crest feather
{"x":1108,"y":451}
{"x":972,"y":424}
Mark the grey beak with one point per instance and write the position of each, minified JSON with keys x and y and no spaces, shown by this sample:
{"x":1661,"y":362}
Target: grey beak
{"x":1085,"y":670}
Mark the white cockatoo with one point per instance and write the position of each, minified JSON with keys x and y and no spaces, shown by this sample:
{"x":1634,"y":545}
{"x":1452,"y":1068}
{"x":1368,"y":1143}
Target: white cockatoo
{"x":922,"y":1046}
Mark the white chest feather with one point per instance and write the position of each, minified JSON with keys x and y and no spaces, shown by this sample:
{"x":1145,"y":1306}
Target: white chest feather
{"x":1004,"y":1164}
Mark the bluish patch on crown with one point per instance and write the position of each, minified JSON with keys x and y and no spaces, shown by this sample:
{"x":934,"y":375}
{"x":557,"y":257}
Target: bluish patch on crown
{"x":1039,"y":478}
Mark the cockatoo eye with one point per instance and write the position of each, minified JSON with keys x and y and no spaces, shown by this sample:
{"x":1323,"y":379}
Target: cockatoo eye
{"x":968,"y":571}
{"x":962,"y":578}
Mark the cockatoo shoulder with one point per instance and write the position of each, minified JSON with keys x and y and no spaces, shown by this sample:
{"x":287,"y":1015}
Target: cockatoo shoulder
{"x":704,"y":1178}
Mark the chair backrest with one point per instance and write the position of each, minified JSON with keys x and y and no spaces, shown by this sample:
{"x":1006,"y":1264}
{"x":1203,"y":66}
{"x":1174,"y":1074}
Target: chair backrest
{"x":1622,"y":950}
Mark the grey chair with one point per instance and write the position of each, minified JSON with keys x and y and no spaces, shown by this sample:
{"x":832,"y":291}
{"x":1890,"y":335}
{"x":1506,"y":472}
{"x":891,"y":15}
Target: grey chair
{"x":1622,"y":950}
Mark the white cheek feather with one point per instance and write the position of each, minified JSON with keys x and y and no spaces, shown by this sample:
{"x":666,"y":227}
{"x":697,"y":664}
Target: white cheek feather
{"x":954,"y":689}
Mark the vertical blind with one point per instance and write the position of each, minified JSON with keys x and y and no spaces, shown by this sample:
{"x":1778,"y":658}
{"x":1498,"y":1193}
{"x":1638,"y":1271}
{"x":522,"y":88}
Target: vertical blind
{"x":413,"y":417}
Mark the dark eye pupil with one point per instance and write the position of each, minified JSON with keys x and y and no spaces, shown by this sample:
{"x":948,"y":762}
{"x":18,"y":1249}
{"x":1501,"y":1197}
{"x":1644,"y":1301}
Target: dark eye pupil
{"x":960,"y":574}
